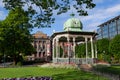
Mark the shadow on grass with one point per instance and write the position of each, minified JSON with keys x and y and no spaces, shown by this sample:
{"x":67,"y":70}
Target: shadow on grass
{"x":78,"y":75}
{"x":108,"y":69}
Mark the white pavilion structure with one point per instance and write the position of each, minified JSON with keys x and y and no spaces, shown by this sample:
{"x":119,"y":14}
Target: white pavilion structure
{"x":63,"y":43}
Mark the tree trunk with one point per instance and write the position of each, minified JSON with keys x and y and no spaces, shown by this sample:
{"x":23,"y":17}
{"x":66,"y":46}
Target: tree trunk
{"x":15,"y":59}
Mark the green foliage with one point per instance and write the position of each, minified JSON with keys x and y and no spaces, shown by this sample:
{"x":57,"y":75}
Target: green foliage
{"x":107,"y":58}
{"x":103,"y":45}
{"x":14,"y":33}
{"x":115,"y":49}
{"x":41,"y":16}
{"x":19,"y":64}
{"x":17,"y":17}
{"x":89,"y":49}
{"x":61,"y":51}
{"x":109,"y":50}
{"x":80,"y":50}
{"x":103,"y":49}
{"x":54,"y":52}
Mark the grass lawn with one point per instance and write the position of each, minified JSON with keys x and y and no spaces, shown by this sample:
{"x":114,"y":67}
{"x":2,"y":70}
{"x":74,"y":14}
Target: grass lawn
{"x":55,"y":73}
{"x":112,"y":69}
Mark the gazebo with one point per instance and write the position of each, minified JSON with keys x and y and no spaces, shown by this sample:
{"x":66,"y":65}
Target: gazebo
{"x":64,"y":43}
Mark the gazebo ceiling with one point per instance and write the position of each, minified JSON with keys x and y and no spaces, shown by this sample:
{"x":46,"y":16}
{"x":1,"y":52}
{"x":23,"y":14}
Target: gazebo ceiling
{"x":77,"y":39}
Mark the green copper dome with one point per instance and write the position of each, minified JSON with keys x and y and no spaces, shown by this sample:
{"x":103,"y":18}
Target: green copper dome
{"x":73,"y":24}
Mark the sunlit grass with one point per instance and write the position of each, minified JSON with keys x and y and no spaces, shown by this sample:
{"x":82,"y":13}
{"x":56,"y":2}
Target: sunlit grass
{"x":55,"y":73}
{"x":30,"y":71}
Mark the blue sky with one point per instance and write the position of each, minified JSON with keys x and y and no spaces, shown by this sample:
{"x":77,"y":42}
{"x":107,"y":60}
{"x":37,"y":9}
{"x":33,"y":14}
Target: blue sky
{"x":104,"y":10}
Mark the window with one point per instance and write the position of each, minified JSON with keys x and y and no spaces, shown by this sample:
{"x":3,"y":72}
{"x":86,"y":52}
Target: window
{"x":118,"y":23}
{"x":99,"y":36}
{"x":105,"y":31}
{"x":112,"y":29}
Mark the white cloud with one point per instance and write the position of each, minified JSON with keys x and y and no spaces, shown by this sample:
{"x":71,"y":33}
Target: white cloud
{"x":3,"y":12}
{"x":98,"y":16}
{"x":2,"y":15}
{"x":113,"y":9}
{"x":1,"y":3}
{"x":91,"y":26}
{"x":98,"y":1}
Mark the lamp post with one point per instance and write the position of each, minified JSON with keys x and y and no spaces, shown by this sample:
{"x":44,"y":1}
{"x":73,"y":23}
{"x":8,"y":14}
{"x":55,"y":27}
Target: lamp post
{"x":69,"y":52}
{"x":3,"y":57}
{"x":103,"y":55}
{"x":4,"y":60}
{"x":68,"y":47}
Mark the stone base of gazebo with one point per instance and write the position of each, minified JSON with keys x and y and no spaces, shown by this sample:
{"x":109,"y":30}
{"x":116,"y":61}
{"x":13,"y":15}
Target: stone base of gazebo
{"x":75,"y":60}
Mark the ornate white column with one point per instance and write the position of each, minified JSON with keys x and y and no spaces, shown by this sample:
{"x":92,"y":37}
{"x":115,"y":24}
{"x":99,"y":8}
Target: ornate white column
{"x":57,"y":40}
{"x":41,"y":50}
{"x":74,"y":44}
{"x":92,"y":50}
{"x":53,"y":48}
{"x":86,"y":48}
{"x":37,"y":43}
{"x":63,"y":49}
{"x":45,"y":47}
{"x":58,"y":49}
{"x":68,"y":43}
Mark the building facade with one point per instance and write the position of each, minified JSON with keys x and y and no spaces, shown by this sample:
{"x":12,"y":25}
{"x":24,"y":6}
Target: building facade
{"x":109,"y":29}
{"x":41,"y":43}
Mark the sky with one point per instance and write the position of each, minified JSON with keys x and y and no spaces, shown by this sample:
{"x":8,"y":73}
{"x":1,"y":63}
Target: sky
{"x":104,"y":11}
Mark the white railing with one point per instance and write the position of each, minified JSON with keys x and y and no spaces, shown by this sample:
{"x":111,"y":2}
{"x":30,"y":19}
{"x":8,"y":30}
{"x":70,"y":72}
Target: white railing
{"x":74,"y":60}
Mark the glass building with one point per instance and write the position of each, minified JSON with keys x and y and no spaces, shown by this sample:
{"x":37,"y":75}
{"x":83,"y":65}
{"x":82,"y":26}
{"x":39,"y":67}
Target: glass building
{"x":109,"y":29}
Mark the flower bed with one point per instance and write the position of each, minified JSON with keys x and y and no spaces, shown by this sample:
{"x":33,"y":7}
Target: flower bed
{"x":59,"y":65}
{"x":31,"y":78}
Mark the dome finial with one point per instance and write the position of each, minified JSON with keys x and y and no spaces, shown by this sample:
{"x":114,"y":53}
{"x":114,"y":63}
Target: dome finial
{"x":73,"y":24}
{"x":72,"y":14}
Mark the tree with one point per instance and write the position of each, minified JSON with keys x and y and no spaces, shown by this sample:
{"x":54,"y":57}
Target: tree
{"x":103,"y":48}
{"x":41,"y":11}
{"x":15,"y":37}
{"x":103,"y":45}
{"x":80,"y":50}
{"x":115,"y":48}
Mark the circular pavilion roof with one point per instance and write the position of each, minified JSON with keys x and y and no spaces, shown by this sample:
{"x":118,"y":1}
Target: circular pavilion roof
{"x":73,"y":24}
